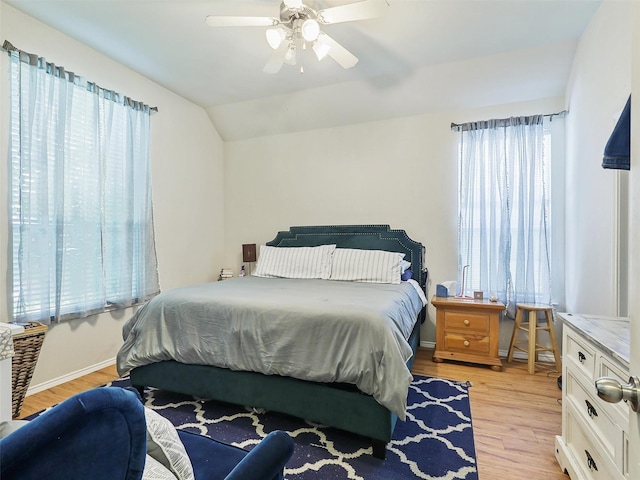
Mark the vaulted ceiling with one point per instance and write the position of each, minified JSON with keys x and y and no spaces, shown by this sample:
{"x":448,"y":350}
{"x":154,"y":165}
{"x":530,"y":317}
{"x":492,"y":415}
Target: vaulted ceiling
{"x":420,"y":56}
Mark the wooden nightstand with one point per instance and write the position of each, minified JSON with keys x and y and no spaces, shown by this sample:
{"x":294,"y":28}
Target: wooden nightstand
{"x":468,"y":330}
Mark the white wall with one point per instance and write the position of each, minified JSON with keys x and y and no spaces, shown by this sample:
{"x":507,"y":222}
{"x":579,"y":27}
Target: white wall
{"x":599,"y":86}
{"x":187,"y":173}
{"x":401,"y":172}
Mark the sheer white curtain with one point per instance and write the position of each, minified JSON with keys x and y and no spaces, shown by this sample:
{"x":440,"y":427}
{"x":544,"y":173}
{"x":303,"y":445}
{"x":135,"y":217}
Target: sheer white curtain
{"x":503,"y":222}
{"x":81,"y":213}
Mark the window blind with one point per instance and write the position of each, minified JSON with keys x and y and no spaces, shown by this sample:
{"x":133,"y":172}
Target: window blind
{"x":81,"y":211}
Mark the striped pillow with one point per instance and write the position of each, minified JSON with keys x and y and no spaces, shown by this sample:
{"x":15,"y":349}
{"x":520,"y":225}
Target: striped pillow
{"x":295,"y":262}
{"x":372,"y":266}
{"x":165,"y":446}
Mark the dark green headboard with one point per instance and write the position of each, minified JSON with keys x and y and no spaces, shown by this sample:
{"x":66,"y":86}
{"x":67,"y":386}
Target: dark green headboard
{"x":364,"y":237}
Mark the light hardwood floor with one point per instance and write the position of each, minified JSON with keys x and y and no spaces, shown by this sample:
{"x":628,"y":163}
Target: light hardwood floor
{"x":515,"y":416}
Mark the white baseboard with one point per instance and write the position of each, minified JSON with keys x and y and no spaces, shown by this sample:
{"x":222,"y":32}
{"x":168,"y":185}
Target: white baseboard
{"x":518,"y":355}
{"x":69,"y":376}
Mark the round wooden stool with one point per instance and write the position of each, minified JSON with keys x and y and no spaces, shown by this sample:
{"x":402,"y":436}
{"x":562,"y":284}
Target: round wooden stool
{"x":533,"y":327}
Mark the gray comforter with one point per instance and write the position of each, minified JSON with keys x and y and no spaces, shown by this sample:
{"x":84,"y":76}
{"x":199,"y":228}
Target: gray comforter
{"x":318,"y":330}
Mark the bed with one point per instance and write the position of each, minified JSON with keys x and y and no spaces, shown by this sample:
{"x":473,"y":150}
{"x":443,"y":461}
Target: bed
{"x":168,"y":346}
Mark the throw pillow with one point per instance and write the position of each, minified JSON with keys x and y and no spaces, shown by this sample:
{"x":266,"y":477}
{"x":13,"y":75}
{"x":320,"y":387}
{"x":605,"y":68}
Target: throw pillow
{"x":154,"y":470}
{"x":164,"y":445}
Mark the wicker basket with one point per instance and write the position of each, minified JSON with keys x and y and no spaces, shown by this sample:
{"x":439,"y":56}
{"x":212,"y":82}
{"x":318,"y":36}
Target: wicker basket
{"x":27,"y":348}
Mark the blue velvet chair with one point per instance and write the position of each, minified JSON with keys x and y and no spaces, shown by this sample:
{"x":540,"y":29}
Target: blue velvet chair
{"x":101,"y":435}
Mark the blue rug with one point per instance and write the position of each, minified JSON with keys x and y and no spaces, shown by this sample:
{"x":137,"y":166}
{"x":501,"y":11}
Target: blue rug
{"x":436,"y":441}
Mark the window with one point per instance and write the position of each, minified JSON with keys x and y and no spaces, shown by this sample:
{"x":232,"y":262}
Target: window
{"x":504,"y":215}
{"x":81,"y":213}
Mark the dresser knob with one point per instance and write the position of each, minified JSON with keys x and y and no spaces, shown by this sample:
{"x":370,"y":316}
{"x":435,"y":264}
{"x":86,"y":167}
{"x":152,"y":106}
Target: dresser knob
{"x":591,"y":410}
{"x":591,"y":462}
{"x":467,"y":322}
{"x":466,"y":343}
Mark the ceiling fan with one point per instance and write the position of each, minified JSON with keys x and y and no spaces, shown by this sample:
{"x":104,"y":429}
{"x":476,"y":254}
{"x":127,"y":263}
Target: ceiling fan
{"x":299,"y":26}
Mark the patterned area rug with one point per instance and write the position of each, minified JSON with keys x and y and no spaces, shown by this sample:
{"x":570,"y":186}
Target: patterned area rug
{"x":436,"y":441}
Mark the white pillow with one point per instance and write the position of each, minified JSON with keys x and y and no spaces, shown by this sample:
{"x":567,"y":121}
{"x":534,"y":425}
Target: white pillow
{"x":404,"y":265}
{"x":372,"y":266}
{"x":9,"y":426}
{"x":154,"y":470}
{"x":165,"y":446}
{"x":295,"y":262}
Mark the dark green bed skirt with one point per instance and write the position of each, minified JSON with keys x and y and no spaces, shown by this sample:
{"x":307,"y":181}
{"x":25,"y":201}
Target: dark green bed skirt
{"x":340,"y":406}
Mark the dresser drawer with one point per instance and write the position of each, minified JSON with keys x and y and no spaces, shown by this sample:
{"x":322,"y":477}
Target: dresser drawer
{"x":606,"y":368}
{"x":467,"y":322}
{"x":477,"y":344}
{"x":581,"y":354}
{"x":595,"y":413}
{"x":593,"y":463}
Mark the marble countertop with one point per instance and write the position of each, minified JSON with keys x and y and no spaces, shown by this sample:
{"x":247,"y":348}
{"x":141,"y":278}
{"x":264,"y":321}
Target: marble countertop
{"x":609,"y":333}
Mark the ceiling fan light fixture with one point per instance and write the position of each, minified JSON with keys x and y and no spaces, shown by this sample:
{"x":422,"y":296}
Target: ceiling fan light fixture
{"x":275,"y":37}
{"x":310,"y":29}
{"x":290,"y":55}
{"x":320,"y":49}
{"x":299,"y":23}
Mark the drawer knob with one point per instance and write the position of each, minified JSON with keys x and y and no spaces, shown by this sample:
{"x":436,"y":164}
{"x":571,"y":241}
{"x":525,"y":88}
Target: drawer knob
{"x":466,"y":322}
{"x":610,"y":390}
{"x":591,"y":410}
{"x":591,"y":463}
{"x":466,"y":343}
{"x":581,"y":357}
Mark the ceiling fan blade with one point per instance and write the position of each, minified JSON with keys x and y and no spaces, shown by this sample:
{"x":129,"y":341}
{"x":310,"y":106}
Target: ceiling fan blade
{"x":293,"y":3}
{"x":231,"y":21}
{"x":352,"y":11}
{"x":274,"y":64}
{"x":336,"y":51}
{"x":277,"y":59}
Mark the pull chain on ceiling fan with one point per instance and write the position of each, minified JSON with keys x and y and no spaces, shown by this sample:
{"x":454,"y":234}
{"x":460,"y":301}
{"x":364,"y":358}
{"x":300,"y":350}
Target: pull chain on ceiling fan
{"x":299,"y":23}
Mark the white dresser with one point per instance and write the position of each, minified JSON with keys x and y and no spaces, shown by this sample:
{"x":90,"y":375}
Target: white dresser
{"x":594,"y":442}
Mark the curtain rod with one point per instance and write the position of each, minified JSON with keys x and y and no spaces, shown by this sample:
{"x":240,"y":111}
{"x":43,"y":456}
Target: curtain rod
{"x":35,"y":60}
{"x":562,"y":114}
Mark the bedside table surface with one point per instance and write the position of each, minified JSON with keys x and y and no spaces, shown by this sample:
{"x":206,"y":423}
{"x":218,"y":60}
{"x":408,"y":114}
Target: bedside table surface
{"x":466,"y":302}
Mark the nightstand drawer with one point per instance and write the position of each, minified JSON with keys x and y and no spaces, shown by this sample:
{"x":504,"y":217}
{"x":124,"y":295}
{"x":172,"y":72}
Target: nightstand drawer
{"x":467,"y":322}
{"x":468,"y":330}
{"x":466,"y":343}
